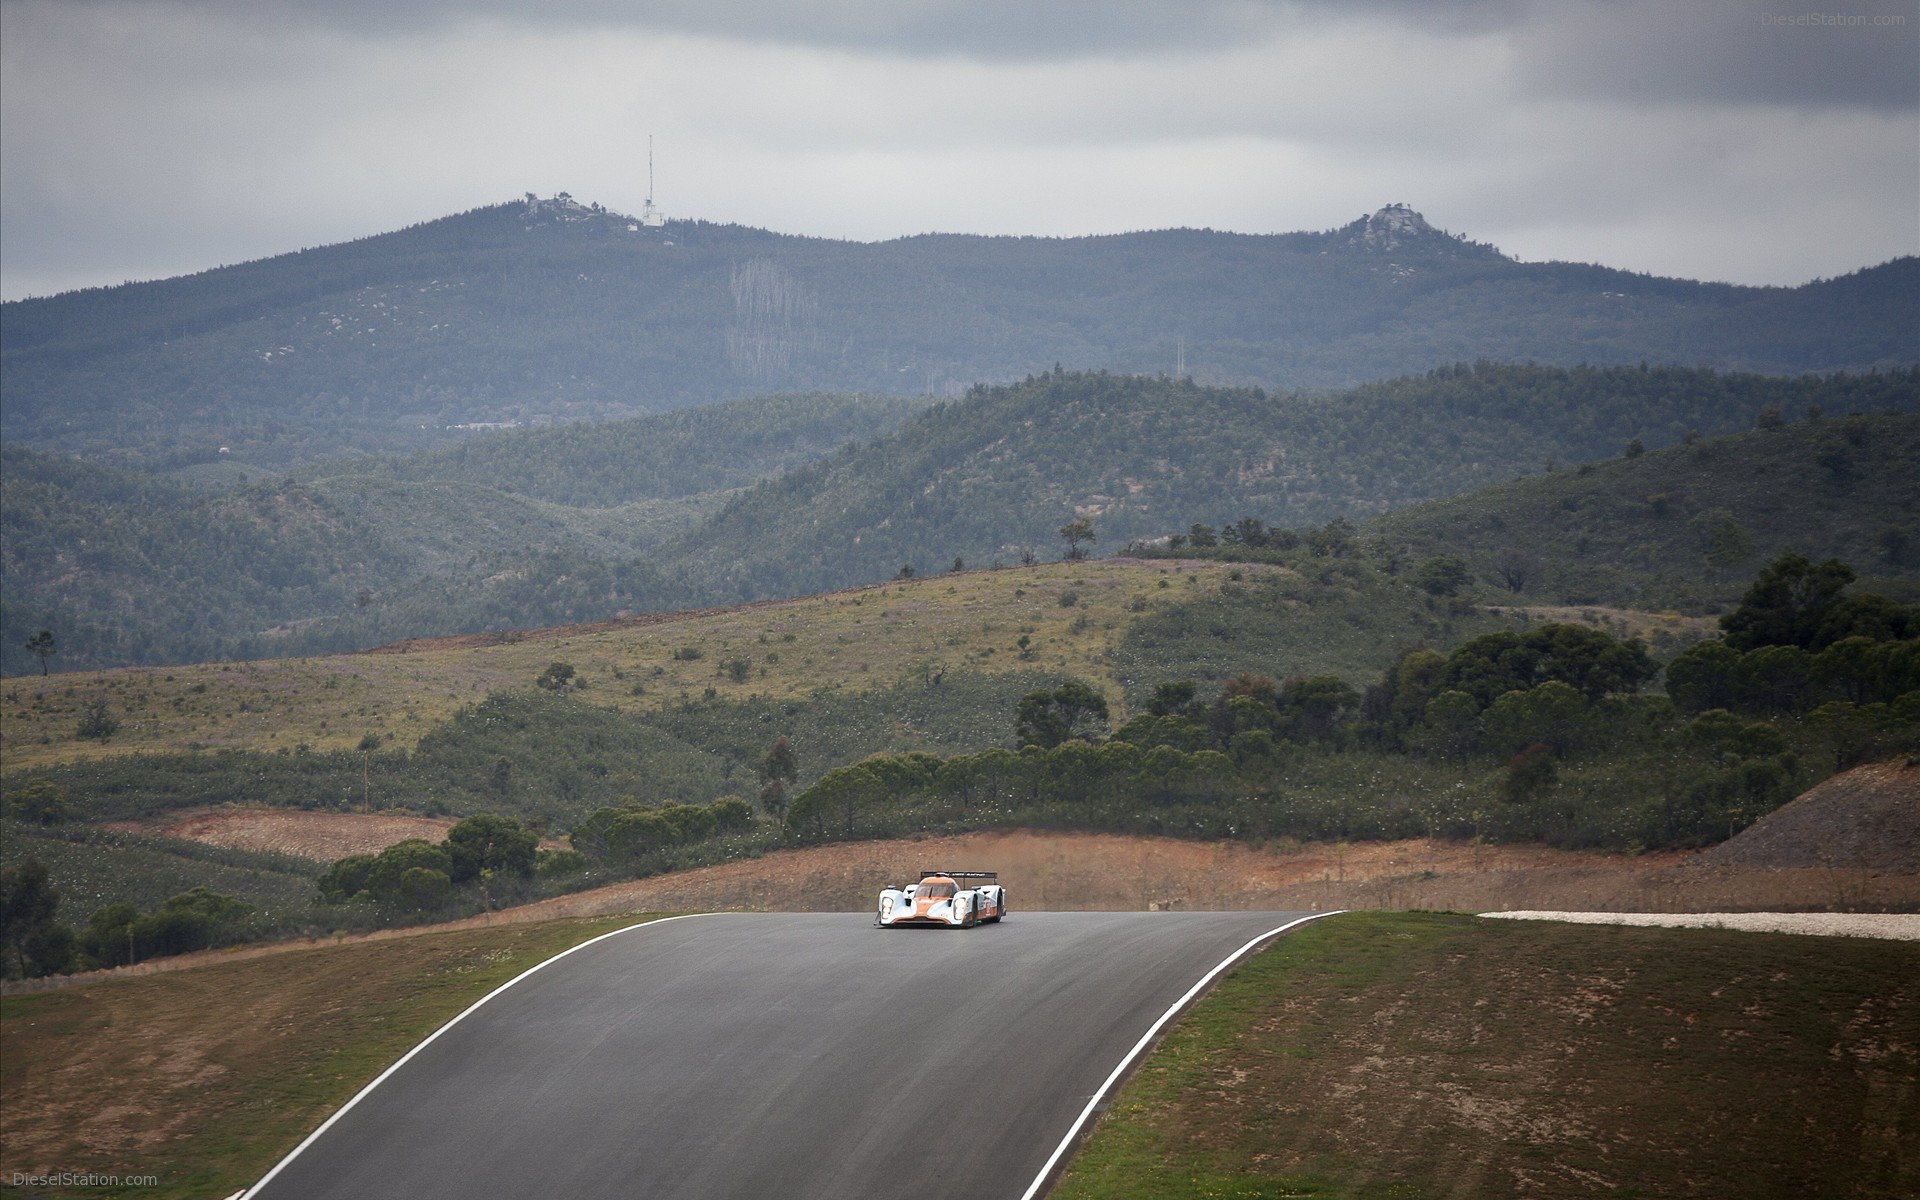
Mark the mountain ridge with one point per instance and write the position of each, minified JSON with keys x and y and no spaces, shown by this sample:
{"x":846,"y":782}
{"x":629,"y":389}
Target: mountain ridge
{"x":388,"y":344}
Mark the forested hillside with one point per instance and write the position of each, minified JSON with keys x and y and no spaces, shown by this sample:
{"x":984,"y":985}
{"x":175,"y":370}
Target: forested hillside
{"x":582,"y":523}
{"x":689,"y":452}
{"x":1003,"y":470}
{"x":554,"y":311}
{"x":1674,"y":528}
{"x":125,"y":567}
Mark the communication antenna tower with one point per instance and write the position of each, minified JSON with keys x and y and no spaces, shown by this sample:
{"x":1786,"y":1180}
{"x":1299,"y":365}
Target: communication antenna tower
{"x":650,"y":216}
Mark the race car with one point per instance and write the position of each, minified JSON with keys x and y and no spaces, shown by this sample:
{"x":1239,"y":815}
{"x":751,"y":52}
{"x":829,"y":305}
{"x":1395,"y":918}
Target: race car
{"x":958,"y":899}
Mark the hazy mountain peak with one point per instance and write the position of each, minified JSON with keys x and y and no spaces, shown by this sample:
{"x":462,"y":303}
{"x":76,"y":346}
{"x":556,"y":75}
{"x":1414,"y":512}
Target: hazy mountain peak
{"x":562,"y":207}
{"x":1398,"y":227}
{"x":1386,"y":227}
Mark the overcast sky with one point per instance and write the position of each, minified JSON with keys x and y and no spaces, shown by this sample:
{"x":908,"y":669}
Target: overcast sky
{"x":1720,"y":139}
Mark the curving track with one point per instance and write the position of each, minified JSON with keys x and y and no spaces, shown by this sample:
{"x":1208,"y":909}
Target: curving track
{"x":798,"y":1056}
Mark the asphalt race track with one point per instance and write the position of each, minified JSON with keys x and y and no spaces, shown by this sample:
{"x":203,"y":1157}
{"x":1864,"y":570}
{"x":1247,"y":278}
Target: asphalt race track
{"x":777,"y":1056}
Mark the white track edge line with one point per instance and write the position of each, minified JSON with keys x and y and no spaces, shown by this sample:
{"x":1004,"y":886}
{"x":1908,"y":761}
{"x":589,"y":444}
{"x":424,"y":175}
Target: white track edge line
{"x":381,"y":1078}
{"x":1040,"y":1181}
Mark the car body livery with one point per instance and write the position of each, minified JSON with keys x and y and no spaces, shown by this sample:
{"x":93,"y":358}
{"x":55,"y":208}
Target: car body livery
{"x":957,"y":899}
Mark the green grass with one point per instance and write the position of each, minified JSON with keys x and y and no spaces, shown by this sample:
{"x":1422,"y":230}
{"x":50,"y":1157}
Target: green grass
{"x":1378,"y":1056}
{"x":208,"y":1076}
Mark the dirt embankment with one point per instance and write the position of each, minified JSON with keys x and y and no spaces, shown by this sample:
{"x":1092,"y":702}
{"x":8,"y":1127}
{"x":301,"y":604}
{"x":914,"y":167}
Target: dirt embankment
{"x":1090,"y":871}
{"x":1851,"y":844}
{"x":1108,"y":872}
{"x":1867,"y":818}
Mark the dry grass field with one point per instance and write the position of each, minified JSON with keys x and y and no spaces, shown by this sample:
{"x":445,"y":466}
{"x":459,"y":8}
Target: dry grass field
{"x":863,"y":637}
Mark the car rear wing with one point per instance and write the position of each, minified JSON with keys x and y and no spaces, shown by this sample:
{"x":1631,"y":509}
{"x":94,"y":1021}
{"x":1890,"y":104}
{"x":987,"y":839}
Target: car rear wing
{"x":992,"y":877}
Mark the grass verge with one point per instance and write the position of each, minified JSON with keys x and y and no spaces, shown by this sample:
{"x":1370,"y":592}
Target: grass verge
{"x":1406,"y":1056}
{"x":206,"y":1077}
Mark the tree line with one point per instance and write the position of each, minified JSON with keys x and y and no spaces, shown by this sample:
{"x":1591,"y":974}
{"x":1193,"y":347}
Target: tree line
{"x":1544,"y":735}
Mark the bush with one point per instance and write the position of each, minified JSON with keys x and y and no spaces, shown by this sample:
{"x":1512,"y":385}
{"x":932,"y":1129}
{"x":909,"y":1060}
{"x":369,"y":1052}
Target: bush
{"x":731,"y":814}
{"x":390,"y":867}
{"x":30,"y":939}
{"x":197,"y":919}
{"x":97,"y":722}
{"x":490,"y":843}
{"x":38,"y":802}
{"x":346,"y":878}
{"x":555,"y":864}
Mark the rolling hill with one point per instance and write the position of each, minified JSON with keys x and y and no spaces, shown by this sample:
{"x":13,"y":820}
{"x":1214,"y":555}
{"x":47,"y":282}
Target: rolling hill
{"x":1003,"y":469}
{"x":534,"y":527}
{"x":1681,"y":526}
{"x":586,"y":522}
{"x":554,"y":311}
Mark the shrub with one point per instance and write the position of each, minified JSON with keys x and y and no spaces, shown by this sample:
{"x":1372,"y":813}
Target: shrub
{"x":731,"y":814}
{"x":555,"y":864}
{"x":490,"y":843}
{"x":38,"y":802}
{"x":96,"y":722}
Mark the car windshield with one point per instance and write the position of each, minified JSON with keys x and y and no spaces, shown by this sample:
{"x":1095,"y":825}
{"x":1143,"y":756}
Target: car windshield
{"x":936,"y":889}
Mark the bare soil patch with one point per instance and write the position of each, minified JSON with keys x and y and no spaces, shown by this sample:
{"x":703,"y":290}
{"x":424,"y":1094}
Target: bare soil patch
{"x":320,"y":836}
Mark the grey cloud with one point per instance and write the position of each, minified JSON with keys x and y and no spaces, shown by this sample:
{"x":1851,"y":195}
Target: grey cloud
{"x":1635,"y":51}
{"x":999,"y":30}
{"x":146,"y":137}
{"x":1725,"y":51}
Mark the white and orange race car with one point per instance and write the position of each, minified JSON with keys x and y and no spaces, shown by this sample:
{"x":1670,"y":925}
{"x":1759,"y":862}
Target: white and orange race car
{"x":957,"y":899}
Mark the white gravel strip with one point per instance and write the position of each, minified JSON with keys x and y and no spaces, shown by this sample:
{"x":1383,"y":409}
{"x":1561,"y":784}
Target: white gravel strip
{"x":1875,"y":925}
